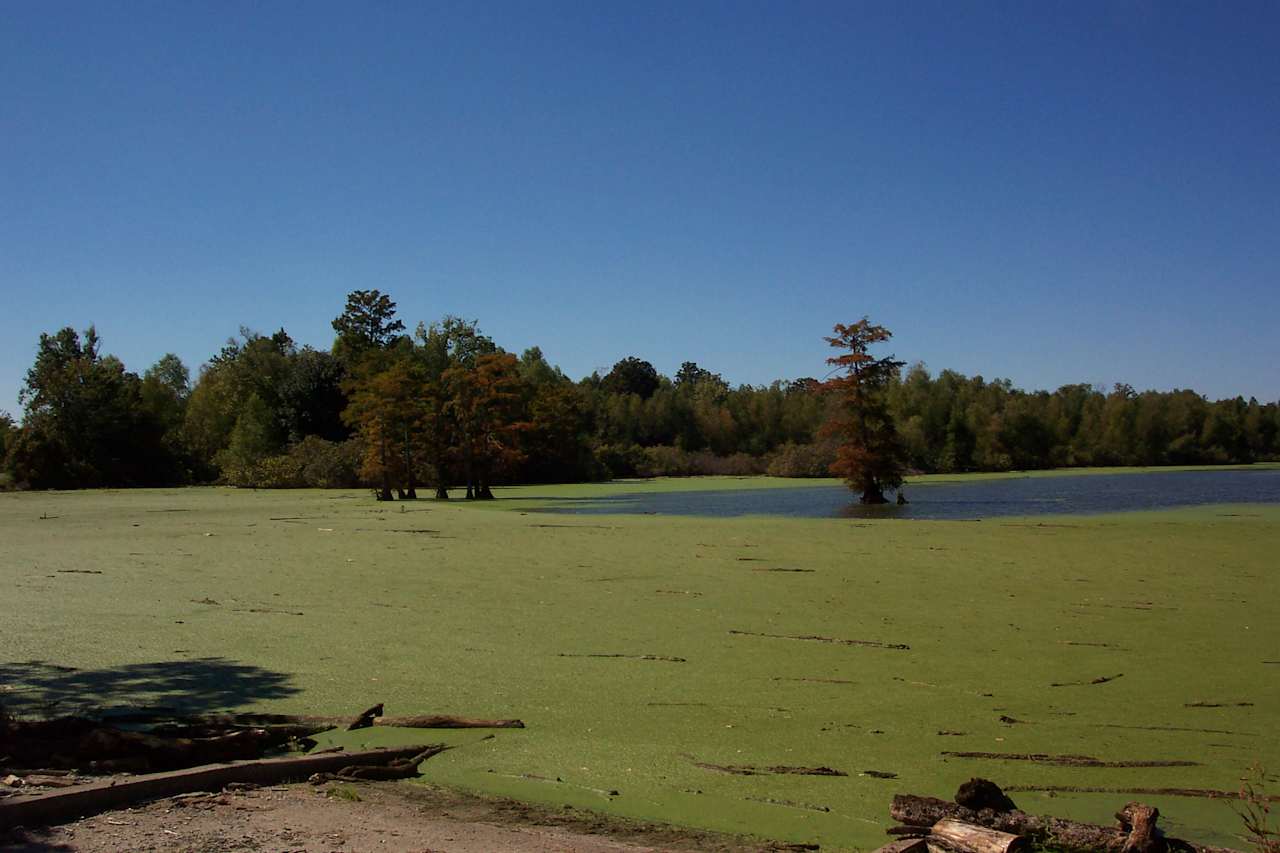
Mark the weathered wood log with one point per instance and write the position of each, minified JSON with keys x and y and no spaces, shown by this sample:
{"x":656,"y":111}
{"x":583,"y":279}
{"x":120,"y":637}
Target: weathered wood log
{"x":972,"y":838}
{"x":914,"y":810}
{"x":311,"y":724}
{"x":81,"y":743}
{"x":163,"y":753}
{"x":72,"y":803}
{"x":40,"y":780}
{"x":275,"y":733}
{"x":443,"y":721}
{"x":399,"y":769}
{"x":1064,"y":834}
{"x":908,"y":831}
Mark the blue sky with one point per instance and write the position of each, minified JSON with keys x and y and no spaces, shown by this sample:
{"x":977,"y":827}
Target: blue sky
{"x":1048,"y":192}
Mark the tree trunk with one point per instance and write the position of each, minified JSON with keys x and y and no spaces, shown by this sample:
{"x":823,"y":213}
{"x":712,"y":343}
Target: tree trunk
{"x":385,"y":494}
{"x":469,"y":467}
{"x":873,"y":494}
{"x":410,"y":493}
{"x":439,"y":473}
{"x":483,"y":492}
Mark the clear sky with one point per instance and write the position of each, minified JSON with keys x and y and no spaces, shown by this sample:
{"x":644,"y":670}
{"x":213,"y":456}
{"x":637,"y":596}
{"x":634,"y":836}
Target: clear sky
{"x":1048,"y":192}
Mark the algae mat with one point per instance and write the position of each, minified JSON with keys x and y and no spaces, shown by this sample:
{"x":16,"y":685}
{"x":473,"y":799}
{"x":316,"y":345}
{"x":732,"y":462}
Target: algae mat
{"x":676,"y":668}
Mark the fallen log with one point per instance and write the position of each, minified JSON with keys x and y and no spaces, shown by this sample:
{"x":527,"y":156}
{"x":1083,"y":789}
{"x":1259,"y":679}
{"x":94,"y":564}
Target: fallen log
{"x":40,"y":780}
{"x":1068,"y":760}
{"x":163,"y":753}
{"x":908,"y":831}
{"x":72,"y":803}
{"x":1058,"y":832}
{"x":276,"y":733}
{"x":401,"y":768}
{"x":1206,"y":793}
{"x":442,"y":721}
{"x":308,"y":723}
{"x":972,"y":838}
{"x":80,"y":744}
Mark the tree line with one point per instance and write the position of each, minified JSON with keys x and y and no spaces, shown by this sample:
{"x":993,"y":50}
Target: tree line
{"x":445,"y":407}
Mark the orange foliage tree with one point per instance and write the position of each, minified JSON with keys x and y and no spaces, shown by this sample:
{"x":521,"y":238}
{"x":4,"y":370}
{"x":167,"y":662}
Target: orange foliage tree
{"x":869,"y":456}
{"x":386,"y":408}
{"x":485,"y":401}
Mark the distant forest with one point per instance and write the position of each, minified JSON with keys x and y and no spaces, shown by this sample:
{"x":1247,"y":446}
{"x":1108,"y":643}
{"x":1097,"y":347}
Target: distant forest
{"x":446,"y":407}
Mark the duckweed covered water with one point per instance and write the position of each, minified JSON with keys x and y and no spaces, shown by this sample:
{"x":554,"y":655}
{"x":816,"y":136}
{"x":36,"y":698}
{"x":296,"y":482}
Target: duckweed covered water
{"x":326,"y":602}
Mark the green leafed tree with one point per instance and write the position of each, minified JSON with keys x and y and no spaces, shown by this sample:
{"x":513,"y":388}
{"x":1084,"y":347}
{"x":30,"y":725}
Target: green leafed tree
{"x":8,"y":433}
{"x":85,"y":423}
{"x":253,"y":366}
{"x":632,"y":376}
{"x":869,"y":455}
{"x":368,"y":322}
{"x":252,"y":442}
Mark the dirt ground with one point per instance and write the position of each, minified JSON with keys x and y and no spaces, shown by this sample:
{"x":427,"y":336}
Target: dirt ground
{"x":350,"y":817}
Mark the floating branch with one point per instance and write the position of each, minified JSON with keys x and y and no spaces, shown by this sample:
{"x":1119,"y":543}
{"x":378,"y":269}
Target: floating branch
{"x":1206,"y":793}
{"x":817,"y":639}
{"x":1103,"y":679}
{"x":618,"y":655}
{"x":1069,"y":760}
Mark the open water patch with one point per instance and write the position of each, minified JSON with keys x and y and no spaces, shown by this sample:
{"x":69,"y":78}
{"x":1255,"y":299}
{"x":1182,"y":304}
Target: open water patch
{"x":1091,"y":494}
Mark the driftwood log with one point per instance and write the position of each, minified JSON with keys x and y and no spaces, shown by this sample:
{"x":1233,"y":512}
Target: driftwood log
{"x":114,"y":744}
{"x":72,"y":803}
{"x":312,"y":724}
{"x":400,"y":768}
{"x":952,"y":834}
{"x":440,"y":721}
{"x":1058,"y":832}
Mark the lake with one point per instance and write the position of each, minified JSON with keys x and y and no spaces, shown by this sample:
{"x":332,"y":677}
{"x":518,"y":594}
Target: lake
{"x":1089,"y":494}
